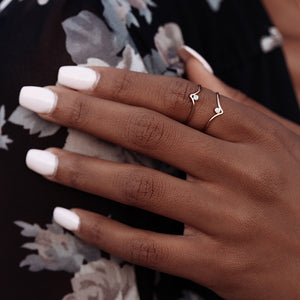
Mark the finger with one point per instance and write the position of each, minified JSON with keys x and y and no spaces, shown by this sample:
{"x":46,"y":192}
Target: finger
{"x":140,"y":130}
{"x":171,"y":254}
{"x":197,"y":71}
{"x":131,"y":185}
{"x":167,"y":95}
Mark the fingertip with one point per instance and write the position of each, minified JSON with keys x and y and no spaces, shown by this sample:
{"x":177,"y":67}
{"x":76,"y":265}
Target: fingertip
{"x":42,"y":162}
{"x":78,"y":78}
{"x":66,"y":218}
{"x":186,"y":53}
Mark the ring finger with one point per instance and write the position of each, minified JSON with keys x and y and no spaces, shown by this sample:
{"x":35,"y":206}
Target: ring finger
{"x":167,"y":95}
{"x":189,"y":203}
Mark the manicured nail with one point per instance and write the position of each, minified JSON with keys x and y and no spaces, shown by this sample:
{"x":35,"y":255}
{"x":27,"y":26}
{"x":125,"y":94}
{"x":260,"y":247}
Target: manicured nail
{"x":66,"y":218}
{"x":186,"y":52}
{"x":78,"y":78}
{"x":42,"y":162}
{"x":38,"y":99}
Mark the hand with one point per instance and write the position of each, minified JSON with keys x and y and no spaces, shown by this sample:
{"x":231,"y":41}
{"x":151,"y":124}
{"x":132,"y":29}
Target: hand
{"x":245,"y":172}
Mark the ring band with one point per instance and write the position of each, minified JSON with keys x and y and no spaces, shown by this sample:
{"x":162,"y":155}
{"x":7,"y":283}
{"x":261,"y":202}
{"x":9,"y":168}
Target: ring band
{"x":218,"y":110}
{"x":194,"y":97}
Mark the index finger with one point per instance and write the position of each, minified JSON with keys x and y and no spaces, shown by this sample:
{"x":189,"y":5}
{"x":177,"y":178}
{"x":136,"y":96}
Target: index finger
{"x":167,"y":95}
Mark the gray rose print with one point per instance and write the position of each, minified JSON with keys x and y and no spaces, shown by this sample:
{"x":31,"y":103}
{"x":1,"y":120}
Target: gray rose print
{"x":4,"y":139}
{"x":104,"y":280}
{"x":102,"y":50}
{"x":56,"y":249}
{"x":95,"y":277}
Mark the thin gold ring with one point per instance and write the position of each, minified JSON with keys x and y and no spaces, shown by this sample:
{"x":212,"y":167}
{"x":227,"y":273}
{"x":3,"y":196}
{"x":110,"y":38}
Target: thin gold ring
{"x":194,"y":97}
{"x":218,"y":112}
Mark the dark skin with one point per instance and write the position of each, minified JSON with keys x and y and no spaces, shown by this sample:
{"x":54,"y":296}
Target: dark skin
{"x":281,"y":11}
{"x":244,"y":175}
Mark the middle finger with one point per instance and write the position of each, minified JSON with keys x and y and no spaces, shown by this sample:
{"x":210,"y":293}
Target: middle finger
{"x":169,"y":96}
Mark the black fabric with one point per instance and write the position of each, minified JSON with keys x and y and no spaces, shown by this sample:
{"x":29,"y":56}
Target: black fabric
{"x":32,"y":48}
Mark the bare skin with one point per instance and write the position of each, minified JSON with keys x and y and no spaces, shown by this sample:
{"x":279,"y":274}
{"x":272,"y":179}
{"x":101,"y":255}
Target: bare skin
{"x":281,"y":11}
{"x":244,"y":175}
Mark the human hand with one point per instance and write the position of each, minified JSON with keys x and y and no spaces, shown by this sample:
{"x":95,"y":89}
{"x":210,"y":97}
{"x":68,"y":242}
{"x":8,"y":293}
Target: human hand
{"x":240,"y":205}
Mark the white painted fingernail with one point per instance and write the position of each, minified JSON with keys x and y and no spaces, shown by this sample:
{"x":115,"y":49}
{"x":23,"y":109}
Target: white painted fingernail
{"x":42,"y":162}
{"x":38,"y":99}
{"x":185,"y":52}
{"x":78,"y":78}
{"x":66,"y":218}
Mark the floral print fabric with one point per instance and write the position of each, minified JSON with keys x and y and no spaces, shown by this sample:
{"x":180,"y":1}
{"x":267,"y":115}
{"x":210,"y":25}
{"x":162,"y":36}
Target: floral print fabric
{"x":140,"y":35}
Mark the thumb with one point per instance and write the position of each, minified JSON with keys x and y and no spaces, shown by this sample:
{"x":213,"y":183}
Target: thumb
{"x":199,"y":71}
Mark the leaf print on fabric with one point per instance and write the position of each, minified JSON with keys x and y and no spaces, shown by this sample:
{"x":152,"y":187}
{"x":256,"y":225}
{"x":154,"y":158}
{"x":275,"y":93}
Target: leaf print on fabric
{"x":31,"y":121}
{"x":4,"y":139}
{"x":215,"y":5}
{"x":57,"y":250}
{"x":104,"y":280}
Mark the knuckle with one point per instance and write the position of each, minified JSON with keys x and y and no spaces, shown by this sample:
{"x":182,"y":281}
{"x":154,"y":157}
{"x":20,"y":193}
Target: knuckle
{"x":267,"y":180}
{"x":139,"y":189}
{"x":78,"y":115}
{"x":146,"y":252}
{"x":233,"y":262}
{"x":176,"y":99}
{"x":145,"y":129}
{"x":121,"y":85}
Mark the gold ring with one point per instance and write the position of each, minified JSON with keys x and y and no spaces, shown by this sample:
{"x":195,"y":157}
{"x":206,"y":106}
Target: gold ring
{"x":194,"y":97}
{"x":218,"y":112}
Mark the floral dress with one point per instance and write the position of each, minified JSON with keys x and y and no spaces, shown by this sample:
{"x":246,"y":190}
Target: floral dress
{"x":40,"y":260}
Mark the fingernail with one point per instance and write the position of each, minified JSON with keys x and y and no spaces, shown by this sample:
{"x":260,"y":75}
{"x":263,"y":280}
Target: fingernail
{"x":186,"y":52}
{"x":38,"y":99}
{"x":78,"y":78}
{"x":66,"y":218}
{"x":42,"y":162}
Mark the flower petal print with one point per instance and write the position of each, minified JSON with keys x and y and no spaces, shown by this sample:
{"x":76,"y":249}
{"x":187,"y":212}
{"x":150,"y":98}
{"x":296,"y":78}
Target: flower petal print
{"x":5,"y":3}
{"x":4,"y":139}
{"x":33,"y":122}
{"x":104,"y":280}
{"x":87,"y":29}
{"x":57,"y":250}
{"x":215,"y":5}
{"x":167,"y":41}
{"x":87,"y":36}
{"x":272,"y":41}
